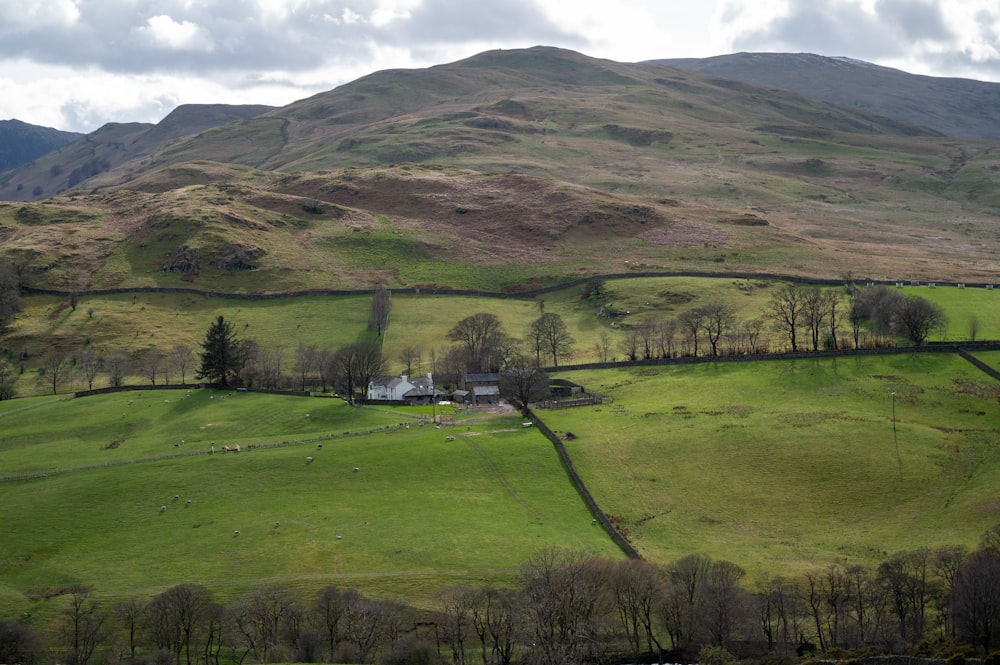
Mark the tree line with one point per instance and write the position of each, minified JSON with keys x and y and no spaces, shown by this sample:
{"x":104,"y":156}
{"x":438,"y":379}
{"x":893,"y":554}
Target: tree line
{"x":803,"y":316}
{"x":565,"y":607}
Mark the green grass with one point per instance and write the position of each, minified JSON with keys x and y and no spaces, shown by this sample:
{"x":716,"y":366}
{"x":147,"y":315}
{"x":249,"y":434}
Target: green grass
{"x":421,"y":513}
{"x":783,"y":466}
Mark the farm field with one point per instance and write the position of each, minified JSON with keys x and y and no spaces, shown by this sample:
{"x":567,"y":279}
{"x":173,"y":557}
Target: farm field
{"x":782,"y":466}
{"x":136,"y":323}
{"x":421,"y":513}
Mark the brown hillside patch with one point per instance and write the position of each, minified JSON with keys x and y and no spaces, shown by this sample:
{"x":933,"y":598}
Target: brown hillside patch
{"x":687,"y":233}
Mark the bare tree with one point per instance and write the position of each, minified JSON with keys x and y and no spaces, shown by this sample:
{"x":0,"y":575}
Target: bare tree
{"x":117,"y":366}
{"x":496,"y":619}
{"x":180,"y":358}
{"x":410,"y":359}
{"x":89,"y":364}
{"x":56,"y":368}
{"x":481,"y":336}
{"x":151,"y":364}
{"x":637,"y":590}
{"x":305,"y":362}
{"x":717,"y":318}
{"x":368,"y":624}
{"x":7,"y":380}
{"x":325,"y":367}
{"x":786,"y":311}
{"x":331,"y":605}
{"x":356,"y":364}
{"x":691,"y":322}
{"x":457,"y":607}
{"x":175,"y":617}
{"x":260,"y":617}
{"x":975,"y":603}
{"x":603,"y":347}
{"x":523,"y":384}
{"x":83,"y":628}
{"x":19,"y":643}
{"x":130,"y":613}
{"x":10,"y":294}
{"x":378,"y":314}
{"x":916,"y":318}
{"x":813,"y":313}
{"x":549,"y":333}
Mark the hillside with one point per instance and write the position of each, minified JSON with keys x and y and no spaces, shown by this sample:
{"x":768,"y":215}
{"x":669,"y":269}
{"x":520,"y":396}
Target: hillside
{"x":959,"y":108}
{"x":506,"y":170}
{"x":21,"y":142}
{"x":111,"y":146}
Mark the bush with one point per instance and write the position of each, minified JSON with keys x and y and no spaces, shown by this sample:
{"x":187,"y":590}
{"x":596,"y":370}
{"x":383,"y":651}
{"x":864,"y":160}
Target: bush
{"x":955,"y":659}
{"x":716,"y":656}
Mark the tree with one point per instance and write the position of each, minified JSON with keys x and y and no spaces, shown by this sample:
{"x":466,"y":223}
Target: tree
{"x":55,"y":369}
{"x":636,"y":587}
{"x":603,"y":347}
{"x":549,"y":333}
{"x":83,"y":628}
{"x":117,"y":366}
{"x":593,"y":288}
{"x":522,"y":384}
{"x":786,"y":310}
{"x":18,"y":643}
{"x":261,"y":616}
{"x":180,"y":359}
{"x":305,"y":362}
{"x":410,"y":359}
{"x":10,"y":294}
{"x":915,"y":318}
{"x":151,"y":364}
{"x":482,"y":337}
{"x":130,"y":613}
{"x":691,"y":322}
{"x":717,"y":318}
{"x":176,"y":615}
{"x":220,"y":357}
{"x":975,"y":603}
{"x":496,"y":619}
{"x":89,"y":363}
{"x":331,"y":604}
{"x":356,"y":364}
{"x":378,"y":314}
{"x":7,"y":380}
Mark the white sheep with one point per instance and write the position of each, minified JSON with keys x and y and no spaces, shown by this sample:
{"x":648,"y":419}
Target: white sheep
{"x":356,"y":469}
{"x":163,"y":509}
{"x":236,"y":533}
{"x":309,"y":460}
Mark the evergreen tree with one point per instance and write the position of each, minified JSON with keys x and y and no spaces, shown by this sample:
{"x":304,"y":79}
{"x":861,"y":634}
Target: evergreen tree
{"x":220,"y":356}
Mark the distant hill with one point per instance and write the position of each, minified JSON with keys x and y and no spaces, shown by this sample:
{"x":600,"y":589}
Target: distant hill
{"x":504,"y":171}
{"x":21,"y":142}
{"x":959,"y":108}
{"x":112,"y":145}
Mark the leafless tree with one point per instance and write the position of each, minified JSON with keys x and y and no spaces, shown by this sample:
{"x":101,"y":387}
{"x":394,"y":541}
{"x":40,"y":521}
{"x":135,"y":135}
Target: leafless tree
{"x":378,"y":315}
{"x":410,"y":359}
{"x":89,"y":364}
{"x":325,"y":368}
{"x":368,"y":625}
{"x":261,"y":616}
{"x":305,"y":362}
{"x":637,"y":590}
{"x":630,"y":343}
{"x":726,"y":602}
{"x":497,"y":621}
{"x":56,"y":368}
{"x":813,"y":313}
{"x":603,"y":347}
{"x":684,"y":599}
{"x":356,"y":364}
{"x":563,"y":597}
{"x":786,"y":311}
{"x":549,"y":333}
{"x":717,"y":318}
{"x":457,"y":606}
{"x":331,"y":604}
{"x":906,"y":577}
{"x":7,"y":380}
{"x":116,"y":365}
{"x":781,"y":614}
{"x":481,"y":336}
{"x":151,"y":364}
{"x":19,"y":643}
{"x":130,"y":613}
{"x":176,"y":616}
{"x":523,"y":384}
{"x":916,"y":318}
{"x":975,"y":600}
{"x":180,"y":358}
{"x":83,"y":627}
{"x":692,"y":322}
{"x":10,"y":294}
{"x":666,"y":336}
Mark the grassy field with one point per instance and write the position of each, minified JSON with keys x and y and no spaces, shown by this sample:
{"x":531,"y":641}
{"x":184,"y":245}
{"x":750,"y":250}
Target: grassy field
{"x":420,"y":513}
{"x":787,"y":465}
{"x":147,"y":320}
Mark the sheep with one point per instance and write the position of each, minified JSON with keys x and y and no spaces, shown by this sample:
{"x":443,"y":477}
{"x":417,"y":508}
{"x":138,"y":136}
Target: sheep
{"x":339,"y":537}
{"x":177,"y":496}
{"x":449,"y":438}
{"x":237,"y":448}
{"x":188,"y":502}
{"x":277,"y":524}
{"x":236,"y":533}
{"x":356,"y":469}
{"x":309,"y":460}
{"x":163,"y":509}
{"x":319,"y":446}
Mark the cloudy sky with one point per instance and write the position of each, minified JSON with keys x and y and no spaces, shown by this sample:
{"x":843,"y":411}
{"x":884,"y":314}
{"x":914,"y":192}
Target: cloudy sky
{"x":77,"y":64}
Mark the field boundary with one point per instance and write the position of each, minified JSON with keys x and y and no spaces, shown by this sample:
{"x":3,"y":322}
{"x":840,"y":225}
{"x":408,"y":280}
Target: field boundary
{"x":588,"y":498}
{"x":514,"y":292}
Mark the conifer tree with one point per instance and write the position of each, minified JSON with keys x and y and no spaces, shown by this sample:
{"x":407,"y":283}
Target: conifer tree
{"x":220,"y":356}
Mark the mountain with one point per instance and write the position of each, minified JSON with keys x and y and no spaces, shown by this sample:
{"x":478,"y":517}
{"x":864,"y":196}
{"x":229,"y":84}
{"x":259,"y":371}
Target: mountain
{"x":508,"y":170}
{"x":20,"y":142}
{"x":113,"y":145}
{"x":959,"y":108}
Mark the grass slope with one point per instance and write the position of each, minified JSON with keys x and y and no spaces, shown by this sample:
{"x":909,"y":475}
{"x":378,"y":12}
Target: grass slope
{"x":786,"y":465}
{"x":421,"y":512}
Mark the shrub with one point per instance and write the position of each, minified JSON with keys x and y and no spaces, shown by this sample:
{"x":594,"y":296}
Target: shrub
{"x":716,"y":656}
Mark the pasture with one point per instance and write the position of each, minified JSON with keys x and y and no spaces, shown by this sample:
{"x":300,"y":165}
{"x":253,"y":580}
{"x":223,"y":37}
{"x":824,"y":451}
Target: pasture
{"x":783,"y":466}
{"x":136,"y":323}
{"x":421,"y":513}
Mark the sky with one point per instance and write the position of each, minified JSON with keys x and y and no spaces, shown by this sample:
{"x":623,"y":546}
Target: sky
{"x":78,"y":64}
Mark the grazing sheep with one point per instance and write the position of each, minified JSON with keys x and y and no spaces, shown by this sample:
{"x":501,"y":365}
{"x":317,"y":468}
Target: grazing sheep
{"x":188,"y":502}
{"x":163,"y":509}
{"x":309,"y":460}
{"x":449,"y":438}
{"x":319,"y":446}
{"x":339,"y":537}
{"x":356,"y":469}
{"x":236,"y":533}
{"x":277,"y":524}
{"x":177,"y":496}
{"x":237,"y":448}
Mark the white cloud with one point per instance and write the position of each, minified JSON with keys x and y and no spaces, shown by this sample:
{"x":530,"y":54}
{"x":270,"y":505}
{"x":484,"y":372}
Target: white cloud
{"x":163,"y":31}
